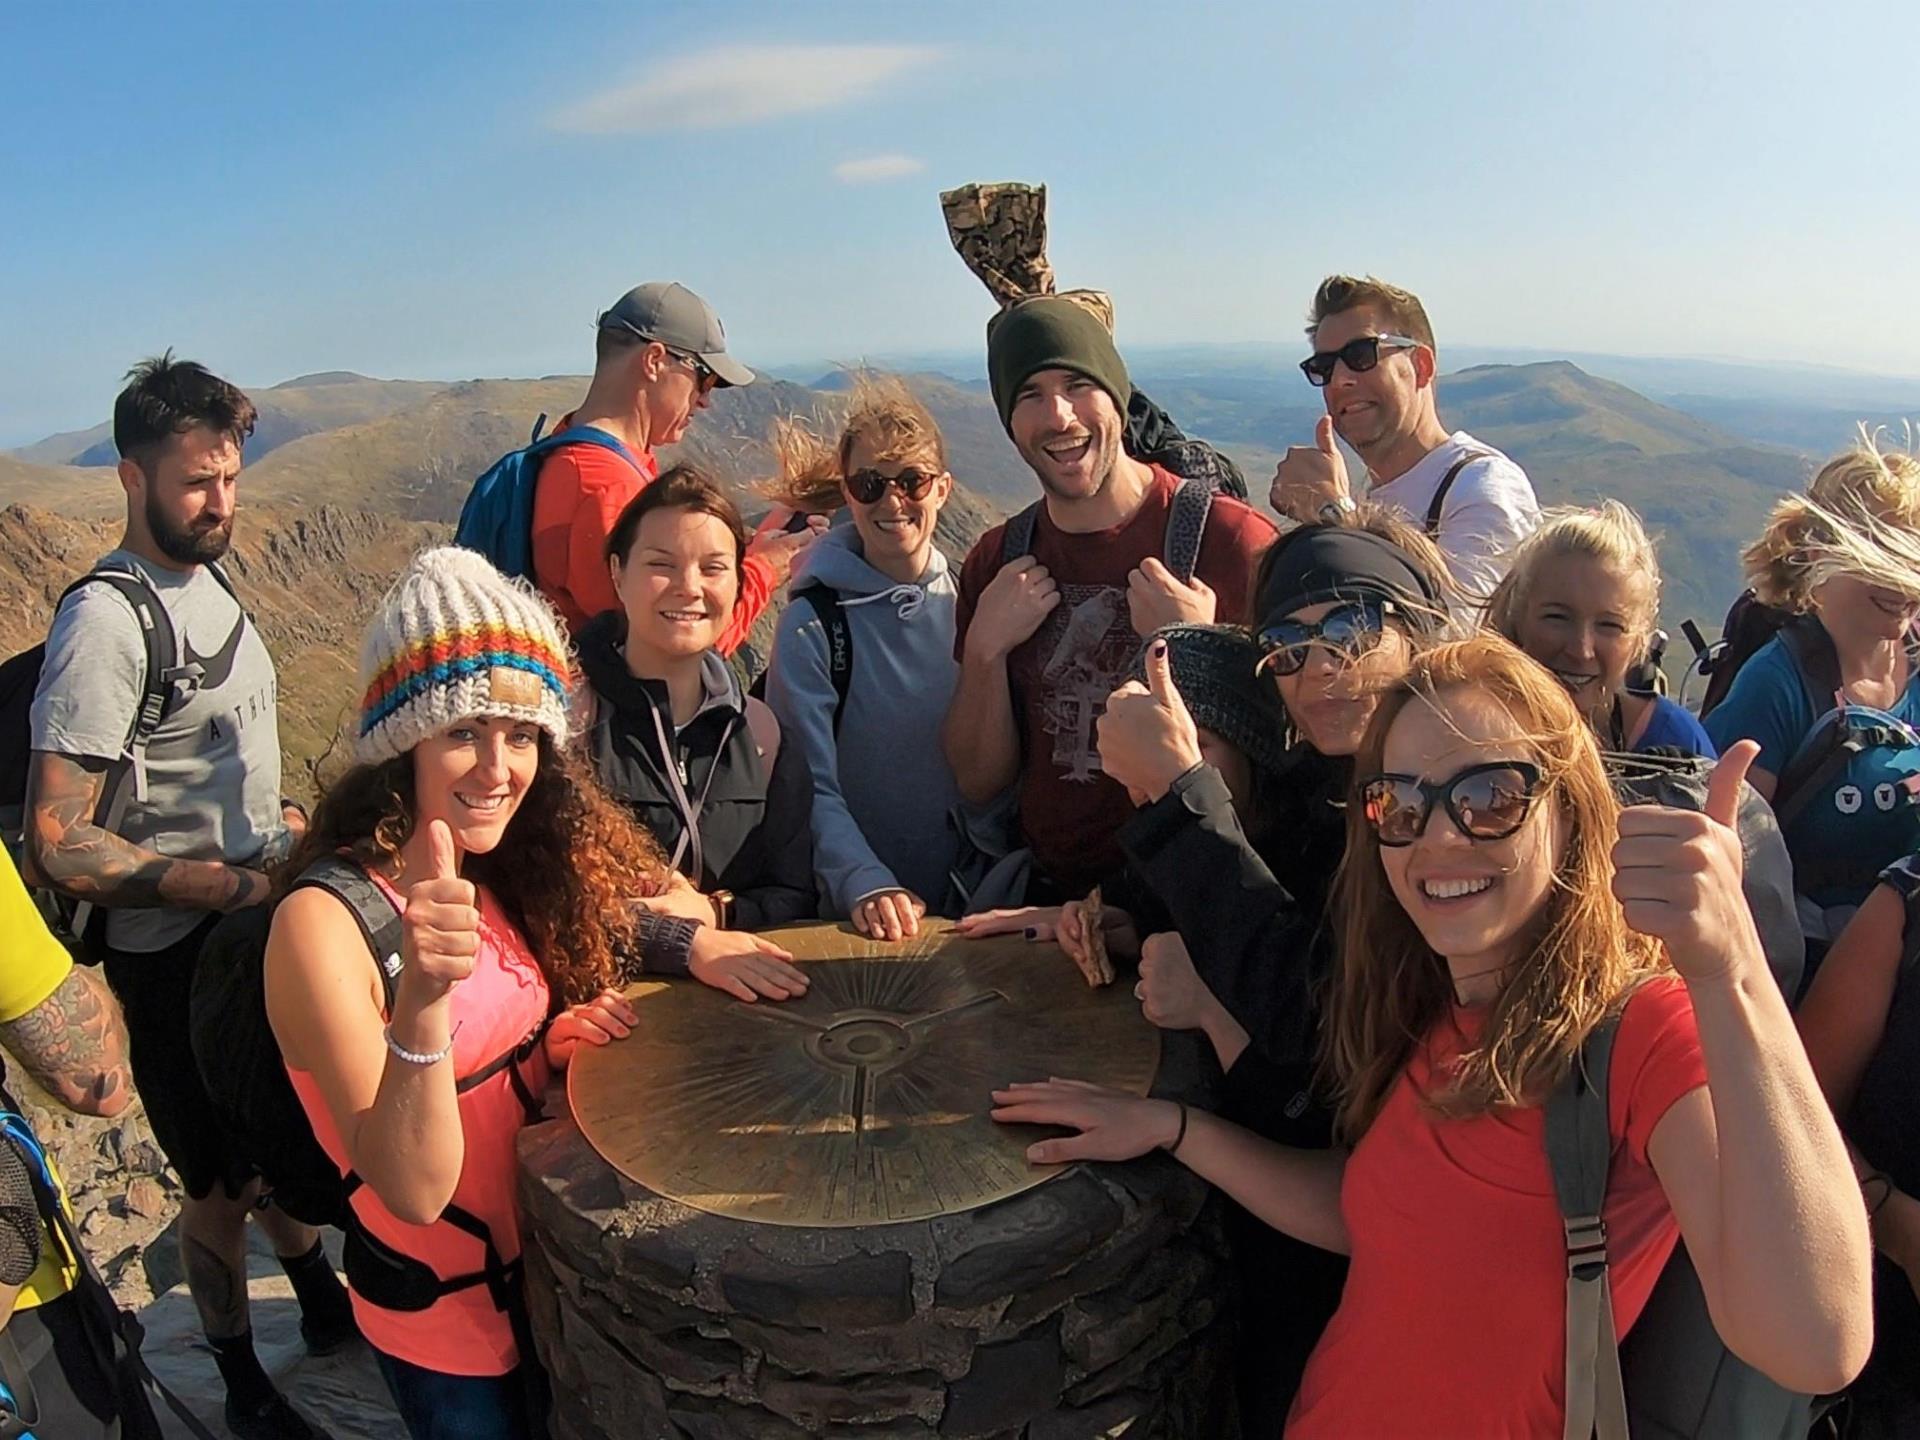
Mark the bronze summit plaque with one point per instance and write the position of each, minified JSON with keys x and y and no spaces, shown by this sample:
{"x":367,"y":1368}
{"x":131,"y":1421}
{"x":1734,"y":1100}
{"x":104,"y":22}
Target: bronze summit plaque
{"x":865,"y":1101}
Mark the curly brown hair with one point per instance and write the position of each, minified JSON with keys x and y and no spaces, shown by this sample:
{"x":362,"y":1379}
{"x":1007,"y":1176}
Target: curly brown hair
{"x":566,"y":872}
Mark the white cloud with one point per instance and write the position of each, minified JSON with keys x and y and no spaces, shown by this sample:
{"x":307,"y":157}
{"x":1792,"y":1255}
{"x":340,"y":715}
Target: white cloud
{"x":741,"y":84}
{"x":870,"y":169}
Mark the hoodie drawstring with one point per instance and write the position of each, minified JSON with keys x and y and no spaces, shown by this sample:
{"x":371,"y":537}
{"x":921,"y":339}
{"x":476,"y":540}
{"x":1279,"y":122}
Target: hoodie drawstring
{"x":908,"y":599}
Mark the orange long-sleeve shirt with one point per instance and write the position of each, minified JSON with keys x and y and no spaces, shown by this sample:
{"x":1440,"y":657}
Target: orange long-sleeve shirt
{"x":580,"y":493}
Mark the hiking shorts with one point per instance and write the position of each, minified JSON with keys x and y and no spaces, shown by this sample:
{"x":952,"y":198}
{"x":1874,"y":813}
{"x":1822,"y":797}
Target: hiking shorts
{"x":154,"y":990}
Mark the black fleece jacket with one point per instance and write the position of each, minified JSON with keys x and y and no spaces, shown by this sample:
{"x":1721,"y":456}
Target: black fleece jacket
{"x":754,"y":829}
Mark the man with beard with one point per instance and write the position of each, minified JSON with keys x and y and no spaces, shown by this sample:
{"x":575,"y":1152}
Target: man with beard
{"x":163,"y":841}
{"x":1374,"y":364}
{"x":1044,"y":638}
{"x":659,"y":354}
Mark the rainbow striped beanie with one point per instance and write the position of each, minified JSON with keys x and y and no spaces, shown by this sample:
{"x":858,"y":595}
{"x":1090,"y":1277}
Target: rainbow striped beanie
{"x":454,"y":640}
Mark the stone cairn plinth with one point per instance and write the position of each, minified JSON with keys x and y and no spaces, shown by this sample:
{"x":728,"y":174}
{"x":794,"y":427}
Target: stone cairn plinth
{"x":1094,"y":1305}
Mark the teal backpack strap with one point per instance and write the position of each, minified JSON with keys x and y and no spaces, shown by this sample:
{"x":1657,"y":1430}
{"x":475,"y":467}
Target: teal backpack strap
{"x":1579,"y":1150}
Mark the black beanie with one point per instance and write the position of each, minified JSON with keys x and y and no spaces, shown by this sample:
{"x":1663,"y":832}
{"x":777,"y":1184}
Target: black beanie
{"x":1213,"y":667}
{"x":1049,"y":333}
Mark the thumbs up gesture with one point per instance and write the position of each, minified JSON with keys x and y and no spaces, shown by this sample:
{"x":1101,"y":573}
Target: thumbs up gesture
{"x":1147,"y":736}
{"x":1310,"y":477}
{"x":1676,"y":874}
{"x":441,"y":929}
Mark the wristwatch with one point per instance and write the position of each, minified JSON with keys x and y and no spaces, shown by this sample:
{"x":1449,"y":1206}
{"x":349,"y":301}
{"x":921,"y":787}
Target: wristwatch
{"x":1337,"y":509}
{"x":722,"y":908}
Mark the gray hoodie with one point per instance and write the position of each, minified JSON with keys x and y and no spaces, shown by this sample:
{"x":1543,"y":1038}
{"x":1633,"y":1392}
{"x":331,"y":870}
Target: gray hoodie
{"x":881,"y":788}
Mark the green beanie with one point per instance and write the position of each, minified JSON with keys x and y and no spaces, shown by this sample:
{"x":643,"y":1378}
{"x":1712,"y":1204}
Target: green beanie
{"x":1051,"y":334}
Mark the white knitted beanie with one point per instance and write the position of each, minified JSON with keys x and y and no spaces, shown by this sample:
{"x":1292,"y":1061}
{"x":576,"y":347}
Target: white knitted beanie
{"x":454,"y":639}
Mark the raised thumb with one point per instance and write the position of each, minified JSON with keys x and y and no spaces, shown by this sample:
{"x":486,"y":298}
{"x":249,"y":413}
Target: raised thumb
{"x":445,"y":861}
{"x":1323,"y":435}
{"x":1160,"y":676}
{"x":1723,"y":785}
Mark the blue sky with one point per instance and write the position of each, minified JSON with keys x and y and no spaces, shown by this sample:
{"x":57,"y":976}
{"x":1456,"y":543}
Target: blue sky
{"x":453,"y":189}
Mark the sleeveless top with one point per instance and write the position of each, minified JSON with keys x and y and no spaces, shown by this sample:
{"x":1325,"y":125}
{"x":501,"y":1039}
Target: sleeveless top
{"x":494,"y":1009}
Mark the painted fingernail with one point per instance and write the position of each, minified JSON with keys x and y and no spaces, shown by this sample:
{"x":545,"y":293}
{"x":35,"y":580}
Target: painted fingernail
{"x":1159,"y":648}
{"x":1032,"y":933}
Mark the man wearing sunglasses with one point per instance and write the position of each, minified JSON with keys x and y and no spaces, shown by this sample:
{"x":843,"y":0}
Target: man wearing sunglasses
{"x":659,"y":355}
{"x":1049,"y":627}
{"x":1374,"y":364}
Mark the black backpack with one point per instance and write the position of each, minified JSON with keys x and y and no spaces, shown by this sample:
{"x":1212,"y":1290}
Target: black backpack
{"x":1672,"y":1378}
{"x":108,"y":1362}
{"x":240,"y":1062}
{"x":1749,"y":625}
{"x":165,"y":686}
{"x":1767,"y":875}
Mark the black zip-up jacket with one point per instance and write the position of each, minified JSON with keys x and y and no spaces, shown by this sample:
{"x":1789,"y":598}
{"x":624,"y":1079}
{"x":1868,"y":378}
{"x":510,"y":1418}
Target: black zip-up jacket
{"x":752,"y":831}
{"x":1256,"y":924}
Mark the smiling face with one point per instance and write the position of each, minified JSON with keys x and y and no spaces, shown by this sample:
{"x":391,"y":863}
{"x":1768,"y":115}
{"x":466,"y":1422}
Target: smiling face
{"x":1331,"y":698}
{"x":894,"y":528}
{"x":1372,"y":409}
{"x":1067,"y":429}
{"x":1859,"y":615}
{"x":1586,"y":622}
{"x":473,"y":775}
{"x":1475,"y":902}
{"x":679,"y":582}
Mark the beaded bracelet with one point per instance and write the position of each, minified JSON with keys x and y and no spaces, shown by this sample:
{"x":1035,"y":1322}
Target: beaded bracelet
{"x":1180,"y":1134}
{"x":417,"y":1057}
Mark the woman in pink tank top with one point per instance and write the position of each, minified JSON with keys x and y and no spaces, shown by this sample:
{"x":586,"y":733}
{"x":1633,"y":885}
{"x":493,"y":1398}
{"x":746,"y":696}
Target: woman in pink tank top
{"x":515,"y":878}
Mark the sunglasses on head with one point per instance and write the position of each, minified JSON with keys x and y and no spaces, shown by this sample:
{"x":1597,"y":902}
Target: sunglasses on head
{"x":1358,"y":356}
{"x":1485,"y":802}
{"x":867,"y":486}
{"x":1349,"y":630}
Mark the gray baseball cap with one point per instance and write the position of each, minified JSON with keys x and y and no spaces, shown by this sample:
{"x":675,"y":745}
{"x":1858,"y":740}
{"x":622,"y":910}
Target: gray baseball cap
{"x":680,"y":320}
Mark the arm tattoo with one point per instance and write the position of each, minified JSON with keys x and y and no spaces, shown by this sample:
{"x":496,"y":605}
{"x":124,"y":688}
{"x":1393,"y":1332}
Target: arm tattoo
{"x":73,"y":1043}
{"x":84,"y":861}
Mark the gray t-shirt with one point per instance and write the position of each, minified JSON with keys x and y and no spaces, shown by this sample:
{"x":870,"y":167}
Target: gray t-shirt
{"x":212,"y":783}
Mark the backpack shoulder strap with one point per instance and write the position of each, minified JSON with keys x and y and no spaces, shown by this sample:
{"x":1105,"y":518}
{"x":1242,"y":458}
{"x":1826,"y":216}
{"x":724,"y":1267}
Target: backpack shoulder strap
{"x":372,"y":911}
{"x":1017,"y":539}
{"x":156,"y":634}
{"x":581,"y":435}
{"x":824,"y":601}
{"x":1815,"y":660}
{"x":1187,"y":527}
{"x":1579,"y":1149}
{"x":1439,"y":502}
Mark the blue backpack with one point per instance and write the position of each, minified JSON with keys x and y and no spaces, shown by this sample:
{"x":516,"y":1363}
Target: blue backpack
{"x":1857,"y":763}
{"x":497,"y":519}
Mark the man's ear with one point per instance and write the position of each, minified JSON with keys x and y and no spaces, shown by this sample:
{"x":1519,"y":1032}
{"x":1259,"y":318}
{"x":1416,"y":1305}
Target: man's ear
{"x":1425,"y":365}
{"x":653,"y":360}
{"x":133,"y":479}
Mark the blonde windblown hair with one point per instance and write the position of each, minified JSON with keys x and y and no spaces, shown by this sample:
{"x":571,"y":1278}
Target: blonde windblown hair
{"x":882,"y":411}
{"x":1390,"y":988}
{"x":1860,"y":517}
{"x":1609,"y":533}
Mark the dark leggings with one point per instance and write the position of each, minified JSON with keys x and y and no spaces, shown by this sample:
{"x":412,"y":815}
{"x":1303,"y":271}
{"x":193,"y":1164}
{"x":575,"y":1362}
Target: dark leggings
{"x":435,"y":1406}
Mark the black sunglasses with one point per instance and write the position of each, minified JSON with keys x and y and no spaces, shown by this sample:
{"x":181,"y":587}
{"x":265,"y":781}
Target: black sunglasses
{"x":1349,"y":630}
{"x":1358,"y":356}
{"x":867,"y":486}
{"x":704,"y":374}
{"x":1485,"y":802}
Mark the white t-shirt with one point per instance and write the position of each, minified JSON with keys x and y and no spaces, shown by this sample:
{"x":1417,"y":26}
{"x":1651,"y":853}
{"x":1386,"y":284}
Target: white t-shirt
{"x":1489,"y":509}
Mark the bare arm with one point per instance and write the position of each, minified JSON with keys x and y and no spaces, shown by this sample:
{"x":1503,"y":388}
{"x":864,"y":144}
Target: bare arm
{"x":74,"y":1045}
{"x":1760,"y":1182}
{"x":1291,"y":1189}
{"x":83,"y":861}
{"x":981,"y":736}
{"x":400,"y":1122}
{"x":981,"y":739}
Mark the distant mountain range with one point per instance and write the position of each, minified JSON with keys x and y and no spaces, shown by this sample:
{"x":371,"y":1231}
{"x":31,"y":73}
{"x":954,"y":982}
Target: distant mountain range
{"x":346,"y":474}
